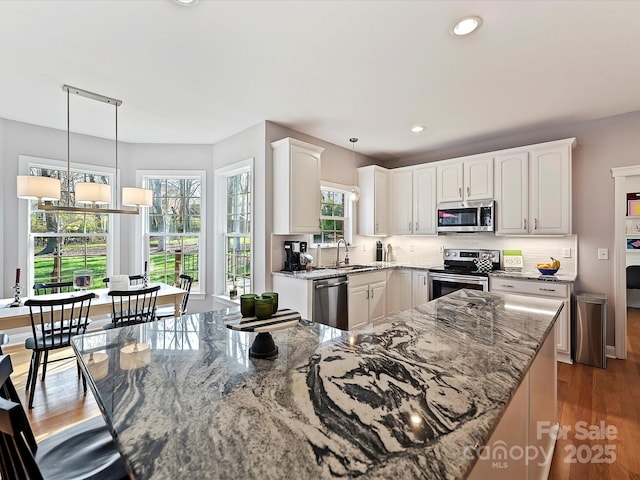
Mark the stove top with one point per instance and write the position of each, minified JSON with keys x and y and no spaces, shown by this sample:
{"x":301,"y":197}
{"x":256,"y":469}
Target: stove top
{"x":463,"y":262}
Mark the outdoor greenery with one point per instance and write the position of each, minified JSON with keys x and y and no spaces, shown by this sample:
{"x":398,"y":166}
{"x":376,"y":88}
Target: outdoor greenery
{"x":332,"y":212}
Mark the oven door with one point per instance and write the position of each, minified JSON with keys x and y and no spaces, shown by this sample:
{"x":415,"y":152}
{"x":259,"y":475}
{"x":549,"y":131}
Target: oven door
{"x":441,"y":284}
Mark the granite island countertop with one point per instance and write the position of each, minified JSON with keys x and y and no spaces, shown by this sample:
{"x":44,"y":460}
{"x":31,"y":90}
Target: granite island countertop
{"x":401,"y":398}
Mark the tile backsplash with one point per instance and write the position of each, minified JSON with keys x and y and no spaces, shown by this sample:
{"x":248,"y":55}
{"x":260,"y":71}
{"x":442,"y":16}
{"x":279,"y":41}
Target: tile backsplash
{"x":426,"y":250}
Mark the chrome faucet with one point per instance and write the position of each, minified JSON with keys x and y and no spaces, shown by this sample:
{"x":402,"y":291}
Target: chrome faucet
{"x":346,"y":252}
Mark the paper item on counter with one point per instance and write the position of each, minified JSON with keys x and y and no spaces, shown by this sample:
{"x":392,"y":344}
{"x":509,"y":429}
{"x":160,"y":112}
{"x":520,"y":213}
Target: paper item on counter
{"x":512,"y":260}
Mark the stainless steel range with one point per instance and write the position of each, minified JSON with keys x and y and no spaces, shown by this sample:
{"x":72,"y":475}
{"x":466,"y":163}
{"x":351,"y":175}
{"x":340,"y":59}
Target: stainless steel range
{"x":460,"y":271}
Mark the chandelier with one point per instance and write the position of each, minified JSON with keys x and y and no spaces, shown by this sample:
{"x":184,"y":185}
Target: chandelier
{"x":32,"y":187}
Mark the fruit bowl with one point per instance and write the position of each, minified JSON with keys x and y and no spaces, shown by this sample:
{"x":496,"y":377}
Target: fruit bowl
{"x":547,"y":271}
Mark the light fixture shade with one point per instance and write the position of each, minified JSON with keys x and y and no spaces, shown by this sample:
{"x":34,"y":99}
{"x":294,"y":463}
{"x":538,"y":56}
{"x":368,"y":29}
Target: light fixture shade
{"x":354,"y":195}
{"x":98,"y":193}
{"x":137,"y":197}
{"x":33,"y":187}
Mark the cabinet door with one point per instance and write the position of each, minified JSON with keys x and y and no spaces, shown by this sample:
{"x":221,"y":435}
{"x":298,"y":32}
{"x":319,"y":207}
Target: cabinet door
{"x":424,"y":201}
{"x":358,"y":306}
{"x":420,"y":288}
{"x":377,"y":301}
{"x":450,"y":182}
{"x":381,"y":201}
{"x":512,"y":193}
{"x":550,"y":194}
{"x":512,"y":430}
{"x":305,"y":191}
{"x":398,"y":291}
{"x":401,"y":201}
{"x":478,"y":179}
{"x":563,"y":331}
{"x":543,"y":387}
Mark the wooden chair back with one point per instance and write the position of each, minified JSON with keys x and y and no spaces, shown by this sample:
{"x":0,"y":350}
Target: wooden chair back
{"x":55,"y":287}
{"x":130,"y":307}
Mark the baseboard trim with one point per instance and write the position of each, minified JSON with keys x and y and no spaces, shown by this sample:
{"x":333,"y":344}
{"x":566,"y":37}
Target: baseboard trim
{"x":611,"y":351}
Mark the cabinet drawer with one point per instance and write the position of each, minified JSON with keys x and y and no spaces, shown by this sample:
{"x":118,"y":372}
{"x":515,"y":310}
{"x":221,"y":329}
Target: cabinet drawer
{"x":529,"y":287}
{"x":357,"y":279}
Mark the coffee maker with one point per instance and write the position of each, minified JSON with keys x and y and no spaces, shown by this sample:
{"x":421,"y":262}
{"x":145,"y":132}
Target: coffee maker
{"x":293,"y":260}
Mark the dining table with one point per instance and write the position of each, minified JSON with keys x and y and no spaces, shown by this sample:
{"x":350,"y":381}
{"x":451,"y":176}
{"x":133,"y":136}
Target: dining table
{"x":403,"y":397}
{"x":17,"y":317}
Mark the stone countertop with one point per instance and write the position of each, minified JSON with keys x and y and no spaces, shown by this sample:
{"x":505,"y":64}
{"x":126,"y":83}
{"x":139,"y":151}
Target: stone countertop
{"x":329,"y":272}
{"x":401,"y":398}
{"x":561,"y":277}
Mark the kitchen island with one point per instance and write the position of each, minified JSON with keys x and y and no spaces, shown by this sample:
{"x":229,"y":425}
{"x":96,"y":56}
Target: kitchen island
{"x":410,"y":396}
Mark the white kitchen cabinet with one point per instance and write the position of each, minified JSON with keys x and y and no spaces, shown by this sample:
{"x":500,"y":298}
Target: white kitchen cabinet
{"x":420,"y":287}
{"x":374,"y":198}
{"x":533,"y":405}
{"x":367,"y":298}
{"x":463,"y":180}
{"x":296,"y":186}
{"x":413,"y":201}
{"x":450,"y":182}
{"x":512,"y":193}
{"x":399,"y":291}
{"x":549,"y":289}
{"x":533,"y":190}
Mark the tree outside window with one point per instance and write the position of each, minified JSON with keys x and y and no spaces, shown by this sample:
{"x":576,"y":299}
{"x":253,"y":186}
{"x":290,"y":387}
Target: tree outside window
{"x":174,"y":228}
{"x":238,"y":232}
{"x":332,"y":216}
{"x":63,"y":242}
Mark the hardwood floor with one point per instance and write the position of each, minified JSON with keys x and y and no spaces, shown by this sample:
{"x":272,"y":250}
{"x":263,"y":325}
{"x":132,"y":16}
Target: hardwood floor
{"x":586,"y":394}
{"x":594,"y":395}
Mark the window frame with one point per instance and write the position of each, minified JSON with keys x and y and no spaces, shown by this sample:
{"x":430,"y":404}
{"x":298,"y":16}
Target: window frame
{"x":220,"y":236}
{"x":349,"y":209}
{"x":142,"y":232}
{"x":26,"y":248}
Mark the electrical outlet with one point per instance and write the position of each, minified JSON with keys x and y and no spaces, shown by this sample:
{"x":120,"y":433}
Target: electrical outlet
{"x":411,"y":247}
{"x":364,"y":247}
{"x":603,"y":254}
{"x":566,"y":253}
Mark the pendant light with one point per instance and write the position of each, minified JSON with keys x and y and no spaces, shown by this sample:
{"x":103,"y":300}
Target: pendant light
{"x":354,"y":194}
{"x":39,"y":188}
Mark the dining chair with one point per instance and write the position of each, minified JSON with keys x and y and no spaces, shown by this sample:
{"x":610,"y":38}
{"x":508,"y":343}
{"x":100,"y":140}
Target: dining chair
{"x":55,"y":287}
{"x":53,"y":323}
{"x":85,"y":451}
{"x":130,"y":307}
{"x":133,"y":280}
{"x":184,"y":284}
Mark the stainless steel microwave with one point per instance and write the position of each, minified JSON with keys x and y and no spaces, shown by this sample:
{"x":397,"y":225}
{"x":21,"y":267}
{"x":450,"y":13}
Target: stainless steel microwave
{"x":477,"y":216}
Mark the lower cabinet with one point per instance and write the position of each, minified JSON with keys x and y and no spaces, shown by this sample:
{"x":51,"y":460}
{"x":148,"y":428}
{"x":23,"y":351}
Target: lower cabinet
{"x":540,"y":288}
{"x":525,"y":429}
{"x":420,"y":288}
{"x":367,"y":298}
{"x":399,"y":291}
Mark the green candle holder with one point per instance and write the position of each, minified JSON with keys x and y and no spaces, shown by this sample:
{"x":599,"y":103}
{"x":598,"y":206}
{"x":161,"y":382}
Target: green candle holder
{"x":248,"y":304}
{"x":264,"y":307}
{"x":274,"y":299}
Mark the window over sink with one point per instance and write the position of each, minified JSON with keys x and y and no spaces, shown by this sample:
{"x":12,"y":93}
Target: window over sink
{"x":336,"y":216}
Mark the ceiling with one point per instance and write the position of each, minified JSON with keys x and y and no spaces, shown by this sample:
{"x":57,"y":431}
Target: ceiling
{"x":330,"y":69}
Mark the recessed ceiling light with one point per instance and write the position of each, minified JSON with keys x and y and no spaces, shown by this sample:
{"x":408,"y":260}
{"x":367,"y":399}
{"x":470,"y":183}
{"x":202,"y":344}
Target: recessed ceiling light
{"x":466,"y":25}
{"x":186,"y":3}
{"x":417,"y":129}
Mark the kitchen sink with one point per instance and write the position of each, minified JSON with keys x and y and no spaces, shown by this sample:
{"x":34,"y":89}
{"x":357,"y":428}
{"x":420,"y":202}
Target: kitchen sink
{"x":353,"y":267}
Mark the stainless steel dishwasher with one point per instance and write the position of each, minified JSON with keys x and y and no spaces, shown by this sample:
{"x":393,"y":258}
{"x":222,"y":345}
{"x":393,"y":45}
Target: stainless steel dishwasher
{"x":330,"y":305}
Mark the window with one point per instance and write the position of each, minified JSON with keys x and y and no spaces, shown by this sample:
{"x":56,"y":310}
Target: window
{"x":238,"y":232}
{"x":335,"y":215}
{"x":60,"y":243}
{"x":174,"y":227}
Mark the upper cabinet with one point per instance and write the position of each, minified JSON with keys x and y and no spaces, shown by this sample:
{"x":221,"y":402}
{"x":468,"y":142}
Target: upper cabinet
{"x":462,"y":180}
{"x":296,"y":186}
{"x":413,"y":201}
{"x":533,"y":189}
{"x":374,"y":198}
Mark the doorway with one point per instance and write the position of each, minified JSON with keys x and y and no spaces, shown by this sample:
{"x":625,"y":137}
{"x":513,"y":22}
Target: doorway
{"x":623,"y":178}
